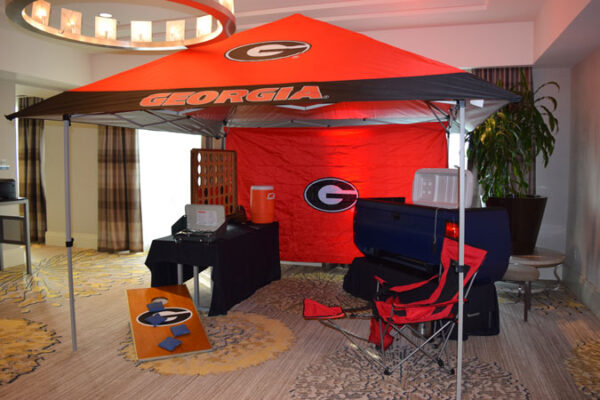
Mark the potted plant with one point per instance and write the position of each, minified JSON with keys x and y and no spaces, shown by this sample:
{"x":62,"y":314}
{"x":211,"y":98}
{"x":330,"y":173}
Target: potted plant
{"x":502,"y":153}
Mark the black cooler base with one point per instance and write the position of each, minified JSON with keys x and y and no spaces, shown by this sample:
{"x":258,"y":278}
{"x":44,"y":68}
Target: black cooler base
{"x":480,"y":311}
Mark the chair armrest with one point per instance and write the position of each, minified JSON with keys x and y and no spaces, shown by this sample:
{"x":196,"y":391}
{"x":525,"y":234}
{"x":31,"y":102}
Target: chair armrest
{"x":424,"y":304}
{"x":403,"y":288}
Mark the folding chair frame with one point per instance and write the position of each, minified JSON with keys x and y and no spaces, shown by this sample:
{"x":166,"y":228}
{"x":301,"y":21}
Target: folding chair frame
{"x":443,"y":326}
{"x":439,"y":332}
{"x":440,"y":356}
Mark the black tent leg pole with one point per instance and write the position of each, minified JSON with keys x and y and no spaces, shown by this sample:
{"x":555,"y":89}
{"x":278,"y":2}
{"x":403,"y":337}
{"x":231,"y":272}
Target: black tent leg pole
{"x":69,"y":239}
{"x":461,"y":249}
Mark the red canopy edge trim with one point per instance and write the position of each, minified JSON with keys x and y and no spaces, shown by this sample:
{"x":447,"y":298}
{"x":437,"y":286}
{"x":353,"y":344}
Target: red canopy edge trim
{"x":440,"y":87}
{"x":327,"y":111}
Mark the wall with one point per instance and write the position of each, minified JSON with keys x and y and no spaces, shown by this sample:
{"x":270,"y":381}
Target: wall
{"x":7,"y":130}
{"x":12,"y":255}
{"x":553,"y":180}
{"x":554,"y":17}
{"x":583,"y":229}
{"x":108,"y":64}
{"x":84,"y":184}
{"x":45,"y":66}
{"x":468,"y":46}
{"x":53,"y":64}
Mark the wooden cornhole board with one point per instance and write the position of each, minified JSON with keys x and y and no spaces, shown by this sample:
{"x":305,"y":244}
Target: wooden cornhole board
{"x":179,"y":309}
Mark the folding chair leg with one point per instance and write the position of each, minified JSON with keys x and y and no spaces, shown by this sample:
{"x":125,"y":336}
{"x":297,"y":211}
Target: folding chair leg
{"x":351,"y":337}
{"x":421,"y":348}
{"x":527,"y":299}
{"x":382,"y":348}
{"x":443,"y":348}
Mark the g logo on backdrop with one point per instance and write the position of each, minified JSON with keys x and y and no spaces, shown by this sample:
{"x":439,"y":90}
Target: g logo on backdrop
{"x":331,"y":195}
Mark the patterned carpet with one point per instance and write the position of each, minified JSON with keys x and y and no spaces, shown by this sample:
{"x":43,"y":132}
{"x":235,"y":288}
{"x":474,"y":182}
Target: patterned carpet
{"x":584,"y":365}
{"x":239,"y":340}
{"x":346,"y":374}
{"x":288,"y":293}
{"x":266,"y":333}
{"x":23,"y":344}
{"x":93,"y":274}
{"x":545,"y":302}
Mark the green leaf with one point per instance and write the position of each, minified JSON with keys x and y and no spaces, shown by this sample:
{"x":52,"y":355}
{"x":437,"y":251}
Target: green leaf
{"x":505,"y":146}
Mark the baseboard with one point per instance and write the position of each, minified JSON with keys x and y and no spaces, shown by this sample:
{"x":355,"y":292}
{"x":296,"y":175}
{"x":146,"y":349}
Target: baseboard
{"x":586,"y":292}
{"x":591,"y":297}
{"x":12,"y":255}
{"x":310,"y":264}
{"x":81,"y":240}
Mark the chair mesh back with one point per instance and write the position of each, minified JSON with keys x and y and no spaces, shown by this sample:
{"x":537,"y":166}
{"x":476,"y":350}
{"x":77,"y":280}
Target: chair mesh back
{"x":473,"y":258}
{"x":449,"y":290}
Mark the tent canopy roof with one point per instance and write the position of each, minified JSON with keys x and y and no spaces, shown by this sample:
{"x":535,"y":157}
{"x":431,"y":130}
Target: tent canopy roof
{"x":293,"y":61}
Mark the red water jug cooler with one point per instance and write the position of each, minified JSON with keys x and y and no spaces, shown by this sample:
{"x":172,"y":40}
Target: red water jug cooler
{"x":262,"y":204}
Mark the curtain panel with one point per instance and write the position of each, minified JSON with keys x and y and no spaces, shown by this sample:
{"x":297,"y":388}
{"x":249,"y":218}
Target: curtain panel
{"x":119,"y":199}
{"x":31,"y":183}
{"x":505,"y":77}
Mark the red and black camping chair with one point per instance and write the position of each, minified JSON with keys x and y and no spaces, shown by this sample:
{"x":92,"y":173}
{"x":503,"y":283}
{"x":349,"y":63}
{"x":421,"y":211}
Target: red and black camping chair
{"x":396,"y":314}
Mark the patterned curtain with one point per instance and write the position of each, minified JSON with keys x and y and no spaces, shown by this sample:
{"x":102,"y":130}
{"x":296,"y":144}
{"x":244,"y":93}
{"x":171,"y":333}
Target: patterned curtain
{"x":30,"y":170}
{"x":119,"y":199}
{"x":508,"y":77}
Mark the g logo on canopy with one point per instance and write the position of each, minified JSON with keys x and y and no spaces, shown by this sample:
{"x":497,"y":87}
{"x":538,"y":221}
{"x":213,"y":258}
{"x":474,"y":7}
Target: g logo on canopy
{"x":265,"y":51}
{"x":331,"y":195}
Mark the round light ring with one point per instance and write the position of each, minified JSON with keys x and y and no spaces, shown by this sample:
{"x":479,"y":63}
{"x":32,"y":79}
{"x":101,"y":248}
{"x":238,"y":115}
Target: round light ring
{"x":226,"y":25}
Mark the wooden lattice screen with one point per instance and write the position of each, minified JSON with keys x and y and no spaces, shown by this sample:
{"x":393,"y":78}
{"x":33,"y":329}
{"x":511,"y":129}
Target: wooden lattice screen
{"x":214,"y":178}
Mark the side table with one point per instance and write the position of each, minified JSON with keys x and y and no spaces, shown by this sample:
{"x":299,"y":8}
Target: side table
{"x":522,"y":275}
{"x":541,"y":258}
{"x":24,"y":237}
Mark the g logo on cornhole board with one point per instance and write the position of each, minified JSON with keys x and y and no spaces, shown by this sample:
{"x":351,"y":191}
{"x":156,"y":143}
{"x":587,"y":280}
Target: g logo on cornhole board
{"x":265,"y":51}
{"x":331,"y":195}
{"x":173,"y":315}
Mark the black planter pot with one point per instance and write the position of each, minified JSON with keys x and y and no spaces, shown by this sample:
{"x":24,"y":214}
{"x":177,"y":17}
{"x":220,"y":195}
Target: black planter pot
{"x":525,"y":218}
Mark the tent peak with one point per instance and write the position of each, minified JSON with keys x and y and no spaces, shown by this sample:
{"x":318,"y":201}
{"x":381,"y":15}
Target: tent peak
{"x":293,"y":61}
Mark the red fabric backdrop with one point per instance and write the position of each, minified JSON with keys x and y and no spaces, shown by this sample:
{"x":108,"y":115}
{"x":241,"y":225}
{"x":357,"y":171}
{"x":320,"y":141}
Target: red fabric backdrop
{"x":380,"y":161}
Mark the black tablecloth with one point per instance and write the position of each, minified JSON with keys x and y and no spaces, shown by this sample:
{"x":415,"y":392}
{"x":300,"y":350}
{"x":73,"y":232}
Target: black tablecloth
{"x":244,"y":259}
{"x":480,"y":311}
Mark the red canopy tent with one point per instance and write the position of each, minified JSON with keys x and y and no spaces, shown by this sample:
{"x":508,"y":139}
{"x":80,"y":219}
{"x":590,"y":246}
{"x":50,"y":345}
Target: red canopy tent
{"x":286,"y":73}
{"x":294,"y":61}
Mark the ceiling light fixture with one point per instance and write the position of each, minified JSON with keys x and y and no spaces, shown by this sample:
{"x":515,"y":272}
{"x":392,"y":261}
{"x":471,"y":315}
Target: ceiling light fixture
{"x":40,"y":12}
{"x":105,"y":28}
{"x":70,"y":21}
{"x":35,"y":16}
{"x":141,"y":31}
{"x":176,"y":30}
